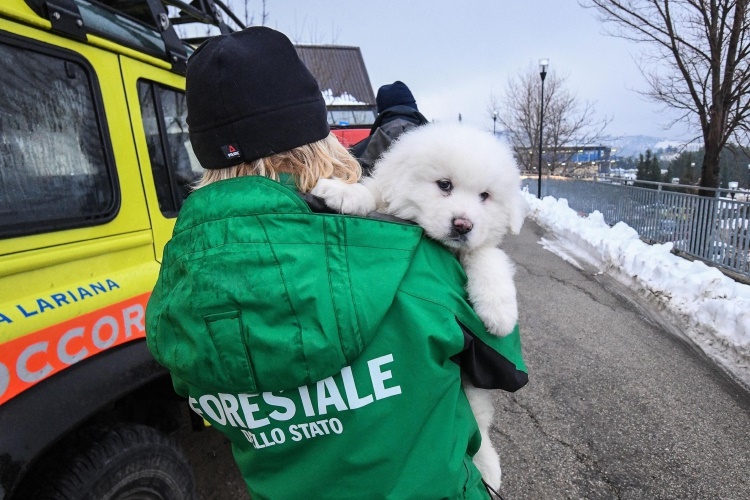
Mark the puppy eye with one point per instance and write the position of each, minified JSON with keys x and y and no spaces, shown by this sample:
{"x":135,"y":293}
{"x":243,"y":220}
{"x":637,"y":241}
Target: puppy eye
{"x":445,"y":185}
{"x":484,"y":196}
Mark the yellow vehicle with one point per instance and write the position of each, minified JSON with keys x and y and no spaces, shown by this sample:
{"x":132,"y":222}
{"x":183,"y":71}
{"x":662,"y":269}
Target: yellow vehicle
{"x":94,"y":166}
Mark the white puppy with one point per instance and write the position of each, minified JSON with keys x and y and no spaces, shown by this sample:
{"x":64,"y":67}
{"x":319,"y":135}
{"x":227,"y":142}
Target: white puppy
{"x":462,"y":186}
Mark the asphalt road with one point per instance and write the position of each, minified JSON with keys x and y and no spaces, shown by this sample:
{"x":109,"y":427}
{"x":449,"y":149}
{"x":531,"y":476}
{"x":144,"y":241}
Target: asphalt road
{"x":616,"y":407}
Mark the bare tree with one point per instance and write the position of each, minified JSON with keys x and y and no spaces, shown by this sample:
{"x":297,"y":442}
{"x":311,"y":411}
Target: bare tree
{"x":265,"y":15}
{"x":700,"y":67}
{"x":248,"y":15}
{"x":310,"y":34}
{"x":568,"y":122}
{"x":241,"y":16}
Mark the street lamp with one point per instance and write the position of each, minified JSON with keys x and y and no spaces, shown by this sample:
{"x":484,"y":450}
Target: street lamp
{"x":543,"y":63}
{"x":494,"y":120}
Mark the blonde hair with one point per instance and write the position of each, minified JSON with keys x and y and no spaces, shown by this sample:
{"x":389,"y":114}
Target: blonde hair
{"x":323,"y":159}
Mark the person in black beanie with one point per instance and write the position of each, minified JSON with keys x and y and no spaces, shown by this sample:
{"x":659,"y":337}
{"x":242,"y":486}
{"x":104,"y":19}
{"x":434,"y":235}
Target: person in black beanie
{"x":329,"y":349}
{"x":237,"y":114}
{"x":397,"y":113}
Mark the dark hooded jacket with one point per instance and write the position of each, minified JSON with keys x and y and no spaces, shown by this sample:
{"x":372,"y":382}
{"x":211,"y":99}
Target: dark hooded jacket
{"x":389,"y":124}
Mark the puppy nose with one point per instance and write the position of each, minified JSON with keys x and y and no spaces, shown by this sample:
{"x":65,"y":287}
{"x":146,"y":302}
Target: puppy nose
{"x":462,"y":226}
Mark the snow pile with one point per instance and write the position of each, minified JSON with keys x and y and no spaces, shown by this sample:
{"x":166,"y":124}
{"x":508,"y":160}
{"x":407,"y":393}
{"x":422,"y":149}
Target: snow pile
{"x":340,"y":100}
{"x":694,"y":300}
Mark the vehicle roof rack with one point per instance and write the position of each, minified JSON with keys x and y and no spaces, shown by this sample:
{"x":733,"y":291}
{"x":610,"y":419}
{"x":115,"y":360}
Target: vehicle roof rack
{"x":76,"y":18}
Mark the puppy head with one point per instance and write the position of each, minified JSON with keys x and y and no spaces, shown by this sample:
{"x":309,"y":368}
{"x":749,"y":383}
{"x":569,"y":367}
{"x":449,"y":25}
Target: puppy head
{"x":460,"y":184}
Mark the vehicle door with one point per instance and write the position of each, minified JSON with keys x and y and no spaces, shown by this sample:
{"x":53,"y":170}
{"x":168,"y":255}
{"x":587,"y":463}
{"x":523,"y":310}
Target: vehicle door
{"x":156,"y":101}
{"x":75,"y":243}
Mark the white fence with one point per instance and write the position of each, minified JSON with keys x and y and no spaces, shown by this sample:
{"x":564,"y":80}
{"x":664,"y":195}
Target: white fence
{"x":713,"y":229}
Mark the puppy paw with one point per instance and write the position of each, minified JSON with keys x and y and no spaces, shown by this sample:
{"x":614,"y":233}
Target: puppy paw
{"x":491,"y":289}
{"x":353,"y":199}
{"x":498,"y":312}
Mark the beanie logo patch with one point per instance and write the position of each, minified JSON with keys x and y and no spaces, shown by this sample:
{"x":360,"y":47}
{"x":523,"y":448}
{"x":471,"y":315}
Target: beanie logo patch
{"x":230,"y":151}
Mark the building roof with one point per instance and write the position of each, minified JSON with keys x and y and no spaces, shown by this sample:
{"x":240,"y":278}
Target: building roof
{"x":339,"y":69}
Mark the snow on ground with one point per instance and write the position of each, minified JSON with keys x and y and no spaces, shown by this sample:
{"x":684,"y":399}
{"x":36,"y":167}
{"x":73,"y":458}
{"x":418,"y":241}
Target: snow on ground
{"x":697,"y":301}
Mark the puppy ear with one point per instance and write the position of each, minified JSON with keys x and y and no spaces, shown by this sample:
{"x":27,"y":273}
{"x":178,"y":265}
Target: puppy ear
{"x":519,"y":209}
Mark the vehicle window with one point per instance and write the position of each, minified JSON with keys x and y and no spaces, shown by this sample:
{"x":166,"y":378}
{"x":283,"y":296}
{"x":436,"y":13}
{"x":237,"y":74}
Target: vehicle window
{"x":54,"y":168}
{"x":173,"y":163}
{"x":351,"y":117}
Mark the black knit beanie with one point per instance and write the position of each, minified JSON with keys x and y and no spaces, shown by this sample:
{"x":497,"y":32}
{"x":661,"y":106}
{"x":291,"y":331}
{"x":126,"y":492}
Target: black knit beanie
{"x":394,"y":94}
{"x":250,"y":96}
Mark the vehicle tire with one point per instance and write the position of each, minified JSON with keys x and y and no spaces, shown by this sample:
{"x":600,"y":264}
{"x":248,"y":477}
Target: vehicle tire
{"x":122,"y":462}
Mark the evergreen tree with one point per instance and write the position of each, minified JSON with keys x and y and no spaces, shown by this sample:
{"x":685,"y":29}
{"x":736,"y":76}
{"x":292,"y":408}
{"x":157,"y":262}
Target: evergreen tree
{"x":648,"y":168}
{"x":654,"y":170}
{"x":642,"y":167}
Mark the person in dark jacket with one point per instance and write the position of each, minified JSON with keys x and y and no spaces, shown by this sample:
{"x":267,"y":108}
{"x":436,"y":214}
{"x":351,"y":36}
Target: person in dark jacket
{"x":397,"y":113}
{"x":328,"y":349}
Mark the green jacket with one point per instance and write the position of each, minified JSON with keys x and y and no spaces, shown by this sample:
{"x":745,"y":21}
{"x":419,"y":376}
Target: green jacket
{"x":325,"y":347}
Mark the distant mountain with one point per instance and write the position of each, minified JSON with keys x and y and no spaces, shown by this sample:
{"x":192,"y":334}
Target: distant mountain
{"x":634,"y":145}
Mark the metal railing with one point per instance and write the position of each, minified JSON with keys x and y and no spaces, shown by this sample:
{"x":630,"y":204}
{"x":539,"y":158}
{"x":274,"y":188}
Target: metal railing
{"x":714,"y":229}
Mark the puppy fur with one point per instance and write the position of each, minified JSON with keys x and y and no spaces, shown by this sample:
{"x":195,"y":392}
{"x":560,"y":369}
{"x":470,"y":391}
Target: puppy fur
{"x":462,"y":186}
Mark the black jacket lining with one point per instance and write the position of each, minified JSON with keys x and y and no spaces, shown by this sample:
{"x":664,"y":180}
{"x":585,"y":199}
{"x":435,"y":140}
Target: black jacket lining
{"x":485,"y":367}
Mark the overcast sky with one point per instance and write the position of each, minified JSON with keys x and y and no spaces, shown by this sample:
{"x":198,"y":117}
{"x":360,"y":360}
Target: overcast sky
{"x":453,"y":54}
